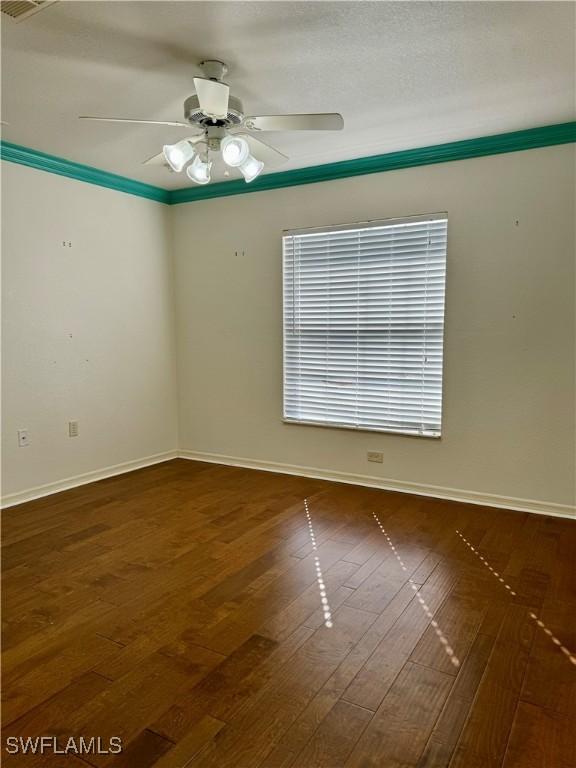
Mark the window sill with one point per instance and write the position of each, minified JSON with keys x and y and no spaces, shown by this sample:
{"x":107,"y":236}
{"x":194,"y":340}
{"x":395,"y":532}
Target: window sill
{"x":402,"y":433}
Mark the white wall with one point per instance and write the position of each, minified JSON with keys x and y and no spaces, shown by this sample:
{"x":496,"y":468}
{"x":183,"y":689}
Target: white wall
{"x":509,"y":354}
{"x":88,"y":331}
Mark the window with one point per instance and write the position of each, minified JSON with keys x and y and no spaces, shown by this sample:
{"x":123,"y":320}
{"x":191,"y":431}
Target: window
{"x":363,"y":325}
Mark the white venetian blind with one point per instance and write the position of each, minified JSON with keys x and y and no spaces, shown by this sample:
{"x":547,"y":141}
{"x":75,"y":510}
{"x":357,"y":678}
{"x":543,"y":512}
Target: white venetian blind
{"x":363,"y":325}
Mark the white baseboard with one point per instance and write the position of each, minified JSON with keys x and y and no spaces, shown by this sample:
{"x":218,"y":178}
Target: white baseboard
{"x":402,"y":486}
{"x":434,"y":491}
{"x":87,"y":477}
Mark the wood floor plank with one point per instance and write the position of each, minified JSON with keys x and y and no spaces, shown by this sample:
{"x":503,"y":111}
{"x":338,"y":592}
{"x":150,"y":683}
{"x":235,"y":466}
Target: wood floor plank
{"x":42,"y":718}
{"x":256,"y":730}
{"x":140,"y":696}
{"x":373,"y":681}
{"x":447,"y":729}
{"x":398,"y":732}
{"x":548,"y":682}
{"x":146,"y":750}
{"x":320,"y":706}
{"x":541,"y":739}
{"x":202,"y":732}
{"x":179,"y":607}
{"x":216,"y":691}
{"x":486,"y":732}
{"x":335,"y":738}
{"x":379,"y":588}
{"x":460,"y":620}
{"x":50,"y":672}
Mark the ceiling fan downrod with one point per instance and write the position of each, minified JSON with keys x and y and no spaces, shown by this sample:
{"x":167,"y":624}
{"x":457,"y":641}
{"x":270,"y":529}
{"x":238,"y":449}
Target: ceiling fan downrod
{"x":214,"y":69}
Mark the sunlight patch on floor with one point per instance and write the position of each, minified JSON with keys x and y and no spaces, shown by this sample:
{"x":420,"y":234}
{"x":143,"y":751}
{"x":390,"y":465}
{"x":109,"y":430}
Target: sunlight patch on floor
{"x":433,"y":623}
{"x":539,"y":623}
{"x":321,"y":584}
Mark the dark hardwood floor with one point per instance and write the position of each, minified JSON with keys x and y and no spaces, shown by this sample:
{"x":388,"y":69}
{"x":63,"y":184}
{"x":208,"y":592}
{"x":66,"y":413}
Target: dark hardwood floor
{"x":198,"y":613}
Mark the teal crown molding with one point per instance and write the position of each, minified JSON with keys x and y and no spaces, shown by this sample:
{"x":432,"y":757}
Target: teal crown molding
{"x":14,"y":153}
{"x":516,"y":141}
{"x":548,"y":135}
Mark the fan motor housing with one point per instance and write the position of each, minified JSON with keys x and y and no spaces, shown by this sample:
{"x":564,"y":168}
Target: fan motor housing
{"x":195,"y":116}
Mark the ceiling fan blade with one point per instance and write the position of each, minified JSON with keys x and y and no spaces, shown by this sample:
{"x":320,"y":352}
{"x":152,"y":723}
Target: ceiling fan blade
{"x":327,"y":121}
{"x":159,"y":159}
{"x":173,"y":123}
{"x":262,"y":151}
{"x":213,"y":97}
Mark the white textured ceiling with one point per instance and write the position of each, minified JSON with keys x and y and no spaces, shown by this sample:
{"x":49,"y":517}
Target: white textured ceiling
{"x":402,"y":74}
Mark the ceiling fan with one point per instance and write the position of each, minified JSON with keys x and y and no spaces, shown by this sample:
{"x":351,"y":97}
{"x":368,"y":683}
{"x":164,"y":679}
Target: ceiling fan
{"x":222,"y":127}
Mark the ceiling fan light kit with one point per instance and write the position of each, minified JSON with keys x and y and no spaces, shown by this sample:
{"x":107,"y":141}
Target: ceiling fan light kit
{"x":235,"y":150}
{"x":222,"y":123}
{"x":236,"y":154}
{"x":251,"y":168}
{"x":199,"y":170}
{"x":177,"y":155}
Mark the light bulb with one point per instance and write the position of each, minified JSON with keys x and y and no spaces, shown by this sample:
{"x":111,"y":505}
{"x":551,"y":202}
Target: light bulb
{"x":199,"y":171}
{"x":235,"y":150}
{"x":177,"y":155}
{"x":251,"y":168}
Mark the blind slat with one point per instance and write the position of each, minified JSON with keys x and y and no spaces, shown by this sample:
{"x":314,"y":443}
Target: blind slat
{"x":364,"y":324}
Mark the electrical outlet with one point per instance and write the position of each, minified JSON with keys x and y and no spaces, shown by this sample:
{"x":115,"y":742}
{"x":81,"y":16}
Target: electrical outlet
{"x":23,"y":439}
{"x":375,"y":456}
{"x":73,"y":430}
